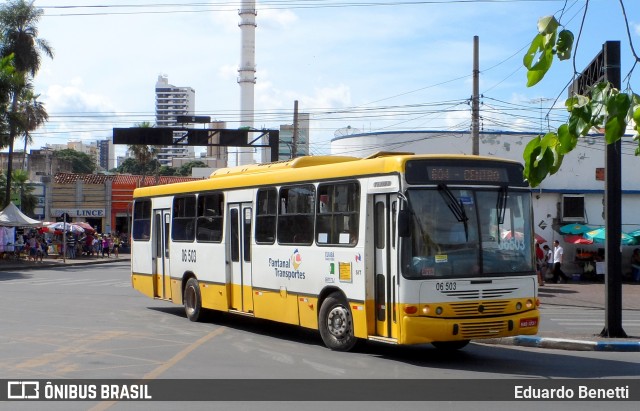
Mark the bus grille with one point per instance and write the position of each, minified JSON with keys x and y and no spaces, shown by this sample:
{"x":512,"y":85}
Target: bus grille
{"x":485,"y":308}
{"x":478,"y":294}
{"x":483,"y":330}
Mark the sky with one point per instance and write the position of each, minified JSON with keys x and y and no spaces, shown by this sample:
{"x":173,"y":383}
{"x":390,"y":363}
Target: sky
{"x":353,"y":65}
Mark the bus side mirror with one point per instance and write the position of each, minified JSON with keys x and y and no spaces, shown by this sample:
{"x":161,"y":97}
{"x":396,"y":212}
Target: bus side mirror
{"x":404,"y":223}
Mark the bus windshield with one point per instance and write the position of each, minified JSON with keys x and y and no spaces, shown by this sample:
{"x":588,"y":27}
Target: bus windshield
{"x":468,"y":232}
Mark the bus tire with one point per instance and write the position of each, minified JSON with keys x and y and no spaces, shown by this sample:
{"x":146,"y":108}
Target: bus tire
{"x":450,"y":345}
{"x":336,"y":324}
{"x":192,"y":300}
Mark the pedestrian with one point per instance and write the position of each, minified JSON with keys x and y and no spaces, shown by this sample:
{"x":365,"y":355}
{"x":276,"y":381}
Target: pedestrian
{"x":558,"y":254}
{"x":95,"y":244}
{"x":39,"y":252}
{"x":105,"y":245}
{"x":540,"y":264}
{"x":71,"y":246}
{"x":548,"y":260}
{"x":33,"y":247}
{"x":116,"y":245}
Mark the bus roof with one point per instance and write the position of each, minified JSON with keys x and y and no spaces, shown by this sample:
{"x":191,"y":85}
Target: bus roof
{"x":307,"y":168}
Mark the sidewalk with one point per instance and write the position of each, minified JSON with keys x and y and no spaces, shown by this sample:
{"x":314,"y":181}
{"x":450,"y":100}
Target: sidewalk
{"x":575,"y":294}
{"x":579,"y":294}
{"x":50,"y":262}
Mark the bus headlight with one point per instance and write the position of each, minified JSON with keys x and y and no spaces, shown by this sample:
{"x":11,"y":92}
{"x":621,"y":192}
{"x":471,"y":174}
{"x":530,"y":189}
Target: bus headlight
{"x":519,"y":306}
{"x":439,"y":310}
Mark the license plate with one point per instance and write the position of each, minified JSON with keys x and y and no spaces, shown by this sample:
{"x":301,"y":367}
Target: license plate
{"x":528,"y":322}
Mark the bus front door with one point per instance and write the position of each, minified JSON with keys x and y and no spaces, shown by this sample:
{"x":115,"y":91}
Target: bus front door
{"x":161,"y":274}
{"x":239,"y":257}
{"x":386,"y":281}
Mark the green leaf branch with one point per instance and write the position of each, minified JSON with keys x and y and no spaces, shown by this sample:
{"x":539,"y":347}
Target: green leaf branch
{"x":603,"y":109}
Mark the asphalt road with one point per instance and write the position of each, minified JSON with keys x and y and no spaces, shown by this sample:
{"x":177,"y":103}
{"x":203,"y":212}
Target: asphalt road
{"x":86,"y":322}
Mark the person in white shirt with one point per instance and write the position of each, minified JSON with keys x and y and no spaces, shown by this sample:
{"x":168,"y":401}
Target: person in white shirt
{"x":558,"y":253}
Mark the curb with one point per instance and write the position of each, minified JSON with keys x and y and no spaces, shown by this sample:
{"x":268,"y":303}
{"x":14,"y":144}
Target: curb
{"x":60,"y":264}
{"x":566,"y":344}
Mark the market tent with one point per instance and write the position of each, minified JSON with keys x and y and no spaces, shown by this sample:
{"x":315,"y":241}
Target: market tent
{"x":11,"y":216}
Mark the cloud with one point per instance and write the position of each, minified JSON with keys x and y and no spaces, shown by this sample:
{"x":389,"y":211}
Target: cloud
{"x":73,"y":99}
{"x":277,"y":18}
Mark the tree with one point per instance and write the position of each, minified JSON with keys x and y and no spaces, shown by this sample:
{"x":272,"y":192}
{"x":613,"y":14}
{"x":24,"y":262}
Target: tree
{"x":81,"y":163}
{"x":33,"y":116}
{"x":19,"y":37}
{"x":7,"y":78}
{"x":129,"y":166}
{"x":185,"y":169}
{"x":167,"y":171}
{"x":604,"y":108}
{"x":144,"y":154}
{"x":20,"y":186}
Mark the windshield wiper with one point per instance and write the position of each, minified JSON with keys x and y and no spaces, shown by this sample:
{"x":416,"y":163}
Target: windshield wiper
{"x":456,"y":207}
{"x":501,"y":205}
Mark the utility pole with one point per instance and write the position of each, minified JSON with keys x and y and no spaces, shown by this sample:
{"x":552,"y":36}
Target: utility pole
{"x":613,"y":227}
{"x":294,"y":139}
{"x":475,"y":100}
{"x":606,"y":67}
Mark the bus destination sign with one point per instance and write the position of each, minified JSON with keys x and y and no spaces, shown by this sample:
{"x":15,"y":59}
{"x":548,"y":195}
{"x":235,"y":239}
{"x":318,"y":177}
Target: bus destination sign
{"x":453,"y":171}
{"x":467,"y":174}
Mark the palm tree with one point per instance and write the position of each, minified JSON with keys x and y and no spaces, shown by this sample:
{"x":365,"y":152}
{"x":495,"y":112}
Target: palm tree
{"x":34,"y":115}
{"x":7,"y":79}
{"x":143,"y":153}
{"x":22,"y":188}
{"x":19,"y":36}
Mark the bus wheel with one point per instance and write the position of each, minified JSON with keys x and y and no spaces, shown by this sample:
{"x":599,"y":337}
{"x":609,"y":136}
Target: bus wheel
{"x":192,"y":300}
{"x":336,"y":324}
{"x":450,"y":345}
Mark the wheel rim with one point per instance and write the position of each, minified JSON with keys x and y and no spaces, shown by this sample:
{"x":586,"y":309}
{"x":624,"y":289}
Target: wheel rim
{"x":338,"y":322}
{"x":190,"y":300}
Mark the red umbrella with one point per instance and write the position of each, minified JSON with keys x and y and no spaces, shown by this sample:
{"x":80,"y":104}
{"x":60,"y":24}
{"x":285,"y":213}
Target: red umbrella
{"x":577,"y":239}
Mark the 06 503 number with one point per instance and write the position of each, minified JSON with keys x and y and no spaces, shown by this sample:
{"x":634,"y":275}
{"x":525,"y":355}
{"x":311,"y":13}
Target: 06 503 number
{"x":189,"y":256}
{"x":446,"y":286}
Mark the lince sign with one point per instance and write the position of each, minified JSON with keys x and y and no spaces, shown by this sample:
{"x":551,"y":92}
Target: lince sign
{"x":79,"y":212}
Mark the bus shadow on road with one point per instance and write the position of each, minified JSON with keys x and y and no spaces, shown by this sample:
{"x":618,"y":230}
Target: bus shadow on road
{"x":519,"y":362}
{"x":288,"y":332}
{"x":13,"y":275}
{"x":476,"y":357}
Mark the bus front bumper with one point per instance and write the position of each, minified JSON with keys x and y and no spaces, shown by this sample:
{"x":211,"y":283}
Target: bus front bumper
{"x":421,"y":330}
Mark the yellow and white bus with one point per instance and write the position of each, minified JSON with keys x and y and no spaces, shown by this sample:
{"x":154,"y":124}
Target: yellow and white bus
{"x":396,"y":247}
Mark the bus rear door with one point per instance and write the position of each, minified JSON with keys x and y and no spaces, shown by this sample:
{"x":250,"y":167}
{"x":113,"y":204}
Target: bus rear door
{"x":239,"y":257}
{"x":161,"y":274}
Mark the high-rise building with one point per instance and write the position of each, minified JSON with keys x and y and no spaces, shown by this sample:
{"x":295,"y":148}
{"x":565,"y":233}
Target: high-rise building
{"x":106,"y":155}
{"x":287,"y":142}
{"x":171,"y":102}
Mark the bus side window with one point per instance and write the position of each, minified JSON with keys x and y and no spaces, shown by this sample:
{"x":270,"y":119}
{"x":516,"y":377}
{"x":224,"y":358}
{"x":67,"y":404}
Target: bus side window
{"x":141,"y":220}
{"x":184,"y":218}
{"x":338,"y":213}
{"x":210,"y":217}
{"x":295,"y":221}
{"x":266,"y":214}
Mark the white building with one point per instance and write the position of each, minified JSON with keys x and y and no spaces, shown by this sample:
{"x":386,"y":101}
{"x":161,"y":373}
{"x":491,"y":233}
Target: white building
{"x":171,"y":102}
{"x":573,"y":195}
